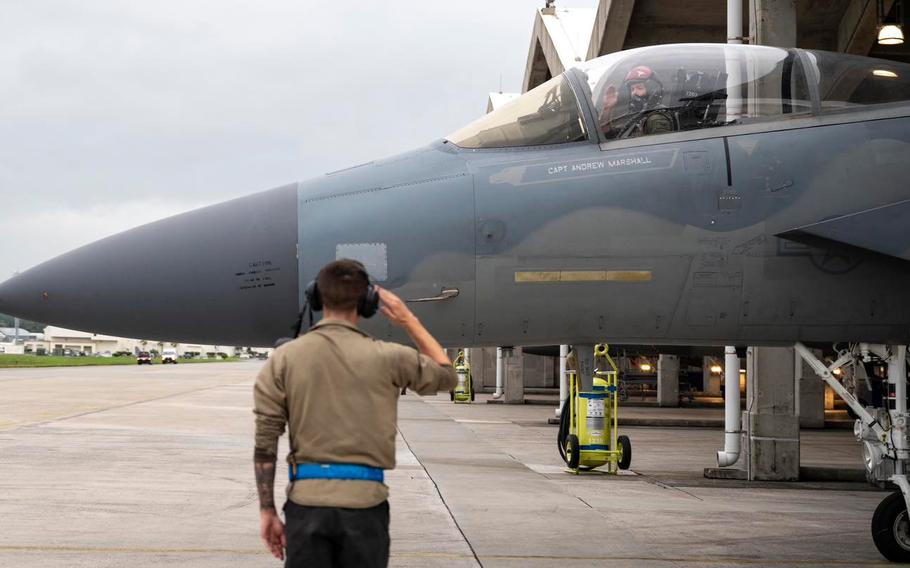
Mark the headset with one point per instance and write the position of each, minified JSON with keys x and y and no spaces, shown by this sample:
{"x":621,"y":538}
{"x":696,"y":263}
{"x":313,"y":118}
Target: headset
{"x":367,"y":305}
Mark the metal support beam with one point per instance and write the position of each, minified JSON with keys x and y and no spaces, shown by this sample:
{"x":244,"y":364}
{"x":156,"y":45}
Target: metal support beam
{"x":773,"y":22}
{"x":610,"y":27}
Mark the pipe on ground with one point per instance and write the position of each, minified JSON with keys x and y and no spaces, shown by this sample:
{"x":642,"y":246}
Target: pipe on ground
{"x":732,"y":410}
{"x":498,"y":392}
{"x":563,"y":381}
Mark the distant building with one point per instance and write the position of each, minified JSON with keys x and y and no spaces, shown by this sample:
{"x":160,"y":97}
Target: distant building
{"x":9,"y":334}
{"x":61,"y":341}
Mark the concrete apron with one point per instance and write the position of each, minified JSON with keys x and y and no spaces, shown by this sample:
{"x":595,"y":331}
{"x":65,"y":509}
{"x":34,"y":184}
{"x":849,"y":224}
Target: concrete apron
{"x":510,"y":514}
{"x":517,"y":507}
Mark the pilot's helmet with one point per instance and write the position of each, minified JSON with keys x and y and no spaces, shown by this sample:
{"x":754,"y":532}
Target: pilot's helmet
{"x":653,"y":87}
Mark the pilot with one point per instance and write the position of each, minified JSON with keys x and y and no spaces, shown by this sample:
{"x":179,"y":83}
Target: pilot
{"x":645,"y":113}
{"x":336,"y":389}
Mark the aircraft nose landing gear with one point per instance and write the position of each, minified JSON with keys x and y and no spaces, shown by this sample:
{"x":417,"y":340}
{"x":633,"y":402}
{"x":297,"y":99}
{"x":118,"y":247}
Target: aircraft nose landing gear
{"x":884,"y":434}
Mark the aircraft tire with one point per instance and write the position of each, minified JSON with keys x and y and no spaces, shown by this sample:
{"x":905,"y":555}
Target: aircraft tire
{"x":626,"y":444}
{"x":891,"y":528}
{"x":452,"y":395}
{"x":573,"y":451}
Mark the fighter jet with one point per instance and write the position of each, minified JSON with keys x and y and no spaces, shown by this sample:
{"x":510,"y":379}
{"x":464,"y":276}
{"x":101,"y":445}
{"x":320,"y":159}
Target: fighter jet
{"x":702,"y":194}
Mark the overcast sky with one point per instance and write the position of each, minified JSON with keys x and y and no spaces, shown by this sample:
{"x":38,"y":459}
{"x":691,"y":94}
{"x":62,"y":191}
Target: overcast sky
{"x":116,"y":113}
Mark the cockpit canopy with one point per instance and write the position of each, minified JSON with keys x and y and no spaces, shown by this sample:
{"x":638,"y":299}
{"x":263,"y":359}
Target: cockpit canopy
{"x":675,"y":88}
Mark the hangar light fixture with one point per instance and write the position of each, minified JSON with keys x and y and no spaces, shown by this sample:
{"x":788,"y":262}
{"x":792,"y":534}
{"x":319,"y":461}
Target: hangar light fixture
{"x":645,"y":367}
{"x":716,"y":369}
{"x":889,"y":33}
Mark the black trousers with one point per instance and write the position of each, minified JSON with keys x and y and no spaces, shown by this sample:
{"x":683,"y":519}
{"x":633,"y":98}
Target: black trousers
{"x":333,"y":537}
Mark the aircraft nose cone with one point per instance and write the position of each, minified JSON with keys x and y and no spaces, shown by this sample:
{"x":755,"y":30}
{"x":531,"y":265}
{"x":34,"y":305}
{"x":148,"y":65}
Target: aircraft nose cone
{"x":224,"y":274}
{"x":14,"y":297}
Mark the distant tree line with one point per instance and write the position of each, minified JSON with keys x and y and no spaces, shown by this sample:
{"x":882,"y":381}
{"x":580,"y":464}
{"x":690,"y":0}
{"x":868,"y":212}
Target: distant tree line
{"x":32,"y":326}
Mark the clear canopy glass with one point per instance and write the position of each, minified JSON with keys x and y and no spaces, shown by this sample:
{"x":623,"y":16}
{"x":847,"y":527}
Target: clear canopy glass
{"x":847,"y":81}
{"x":671,"y":88}
{"x":674,"y":88}
{"x":548,"y":114}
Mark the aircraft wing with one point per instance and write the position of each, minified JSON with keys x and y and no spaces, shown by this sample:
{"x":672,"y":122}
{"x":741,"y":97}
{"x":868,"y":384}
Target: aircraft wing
{"x":881,"y":229}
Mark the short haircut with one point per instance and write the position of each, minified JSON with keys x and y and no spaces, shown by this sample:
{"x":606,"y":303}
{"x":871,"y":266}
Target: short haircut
{"x":341,"y":284}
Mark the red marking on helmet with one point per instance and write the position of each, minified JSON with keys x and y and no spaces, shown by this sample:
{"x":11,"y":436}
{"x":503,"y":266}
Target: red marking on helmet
{"x":640,"y":73}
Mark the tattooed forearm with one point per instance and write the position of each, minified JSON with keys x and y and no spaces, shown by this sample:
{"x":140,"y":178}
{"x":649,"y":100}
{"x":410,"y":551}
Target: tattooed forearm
{"x":264,"y":466}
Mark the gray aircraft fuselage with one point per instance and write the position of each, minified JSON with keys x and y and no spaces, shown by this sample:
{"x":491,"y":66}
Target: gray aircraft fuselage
{"x":752,"y":233}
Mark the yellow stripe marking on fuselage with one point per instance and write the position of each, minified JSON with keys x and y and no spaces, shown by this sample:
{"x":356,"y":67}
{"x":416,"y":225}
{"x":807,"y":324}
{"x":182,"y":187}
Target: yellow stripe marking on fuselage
{"x":559,"y":276}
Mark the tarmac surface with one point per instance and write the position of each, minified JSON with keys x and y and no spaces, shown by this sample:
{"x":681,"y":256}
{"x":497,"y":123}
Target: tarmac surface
{"x":148,"y":466}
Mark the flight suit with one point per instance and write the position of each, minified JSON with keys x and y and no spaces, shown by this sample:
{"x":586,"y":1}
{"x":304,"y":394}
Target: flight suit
{"x":644,"y":124}
{"x":656,"y":123}
{"x":336,"y":389}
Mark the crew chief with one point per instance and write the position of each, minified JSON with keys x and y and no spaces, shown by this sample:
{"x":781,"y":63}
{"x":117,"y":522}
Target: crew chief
{"x":337,"y":388}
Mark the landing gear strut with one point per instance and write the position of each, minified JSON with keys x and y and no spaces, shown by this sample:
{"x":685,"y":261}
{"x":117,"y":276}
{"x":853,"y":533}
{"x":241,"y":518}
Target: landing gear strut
{"x":884,"y":434}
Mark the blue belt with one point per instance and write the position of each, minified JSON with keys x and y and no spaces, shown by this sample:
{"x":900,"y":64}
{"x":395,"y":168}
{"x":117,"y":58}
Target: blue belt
{"x":335,"y":471}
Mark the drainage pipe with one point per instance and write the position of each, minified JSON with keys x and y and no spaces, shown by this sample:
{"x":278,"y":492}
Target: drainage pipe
{"x":498,"y":393}
{"x":563,"y":380}
{"x":734,"y":21}
{"x":734,"y":102}
{"x":732,"y":411}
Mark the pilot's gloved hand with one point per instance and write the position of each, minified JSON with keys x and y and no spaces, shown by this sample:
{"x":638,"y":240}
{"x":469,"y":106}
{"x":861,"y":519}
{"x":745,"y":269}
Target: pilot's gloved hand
{"x":611,"y":96}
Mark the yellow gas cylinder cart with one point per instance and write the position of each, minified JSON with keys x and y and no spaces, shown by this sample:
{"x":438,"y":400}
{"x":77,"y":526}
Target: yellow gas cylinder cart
{"x":464,"y":388}
{"x":589,"y":422}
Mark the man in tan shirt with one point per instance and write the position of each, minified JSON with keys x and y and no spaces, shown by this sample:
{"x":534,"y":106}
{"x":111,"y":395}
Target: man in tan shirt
{"x":336,"y":388}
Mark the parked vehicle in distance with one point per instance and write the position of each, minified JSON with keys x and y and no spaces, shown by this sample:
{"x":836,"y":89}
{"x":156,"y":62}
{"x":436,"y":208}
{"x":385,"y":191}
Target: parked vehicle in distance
{"x":169,"y":355}
{"x":144,"y":358}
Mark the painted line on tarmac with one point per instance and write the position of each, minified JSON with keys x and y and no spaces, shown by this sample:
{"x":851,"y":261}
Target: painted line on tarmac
{"x":697,"y":560}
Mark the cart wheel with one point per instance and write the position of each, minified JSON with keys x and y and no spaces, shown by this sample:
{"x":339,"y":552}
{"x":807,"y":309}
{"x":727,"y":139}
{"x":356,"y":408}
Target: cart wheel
{"x":891,"y":528}
{"x":573,"y":451}
{"x":626,"y":446}
{"x":452,"y":395}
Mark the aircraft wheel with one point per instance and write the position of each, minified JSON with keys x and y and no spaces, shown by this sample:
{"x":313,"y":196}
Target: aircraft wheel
{"x":625,"y":444}
{"x":891,"y":528}
{"x":573,"y":451}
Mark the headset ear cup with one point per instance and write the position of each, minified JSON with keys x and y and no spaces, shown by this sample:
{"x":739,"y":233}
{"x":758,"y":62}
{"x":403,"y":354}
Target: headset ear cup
{"x":313,"y":296}
{"x":369,"y":302}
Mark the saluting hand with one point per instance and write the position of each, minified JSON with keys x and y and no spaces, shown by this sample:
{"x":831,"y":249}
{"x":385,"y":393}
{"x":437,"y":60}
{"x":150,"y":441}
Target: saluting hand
{"x":394,"y":308}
